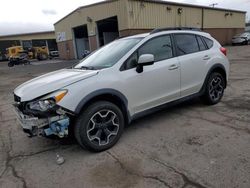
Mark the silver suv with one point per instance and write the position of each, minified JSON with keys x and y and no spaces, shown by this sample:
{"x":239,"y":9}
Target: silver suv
{"x":120,"y":82}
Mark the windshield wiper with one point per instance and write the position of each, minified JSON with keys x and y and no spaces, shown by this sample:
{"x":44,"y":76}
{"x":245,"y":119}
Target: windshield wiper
{"x":86,"y":68}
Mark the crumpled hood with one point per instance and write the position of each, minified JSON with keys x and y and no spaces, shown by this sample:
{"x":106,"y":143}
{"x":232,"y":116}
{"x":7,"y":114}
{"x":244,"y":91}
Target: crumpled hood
{"x":51,"y":82}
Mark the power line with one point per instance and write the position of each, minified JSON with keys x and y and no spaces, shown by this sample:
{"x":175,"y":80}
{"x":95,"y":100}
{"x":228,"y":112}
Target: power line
{"x":213,"y":5}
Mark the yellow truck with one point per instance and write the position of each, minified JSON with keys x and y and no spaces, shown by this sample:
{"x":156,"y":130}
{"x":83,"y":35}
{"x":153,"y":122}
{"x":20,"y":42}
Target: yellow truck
{"x":17,"y":55}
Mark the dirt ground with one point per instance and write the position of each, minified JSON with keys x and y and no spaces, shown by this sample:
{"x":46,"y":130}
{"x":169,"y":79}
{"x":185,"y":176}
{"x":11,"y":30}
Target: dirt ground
{"x":189,"y":145}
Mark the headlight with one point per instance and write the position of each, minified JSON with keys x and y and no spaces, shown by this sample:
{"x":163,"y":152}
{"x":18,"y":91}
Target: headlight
{"x":42,"y":105}
{"x":47,"y":102}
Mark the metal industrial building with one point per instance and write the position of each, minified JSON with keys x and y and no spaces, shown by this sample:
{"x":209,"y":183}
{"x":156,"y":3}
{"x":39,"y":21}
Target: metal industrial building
{"x":28,"y":40}
{"x":92,"y":26}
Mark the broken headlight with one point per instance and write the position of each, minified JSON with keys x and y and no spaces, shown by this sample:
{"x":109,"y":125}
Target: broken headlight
{"x":47,"y":102}
{"x":42,"y":105}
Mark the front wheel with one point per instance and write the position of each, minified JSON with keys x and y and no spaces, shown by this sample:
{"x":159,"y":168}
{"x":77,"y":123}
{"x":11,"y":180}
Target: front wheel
{"x":11,"y":64}
{"x":100,"y":126}
{"x":214,"y":89}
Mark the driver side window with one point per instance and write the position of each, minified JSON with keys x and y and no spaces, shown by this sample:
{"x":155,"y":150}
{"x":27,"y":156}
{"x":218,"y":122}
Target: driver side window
{"x":160,"y":47}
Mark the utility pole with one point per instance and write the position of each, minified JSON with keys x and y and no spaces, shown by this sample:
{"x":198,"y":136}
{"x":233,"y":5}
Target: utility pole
{"x":213,"y":5}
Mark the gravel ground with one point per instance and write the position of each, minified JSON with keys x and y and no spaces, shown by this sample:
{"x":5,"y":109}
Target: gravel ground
{"x":188,"y":145}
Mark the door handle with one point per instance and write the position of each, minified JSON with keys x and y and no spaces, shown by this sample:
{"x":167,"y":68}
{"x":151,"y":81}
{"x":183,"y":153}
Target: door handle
{"x":173,"y":67}
{"x":206,"y":57}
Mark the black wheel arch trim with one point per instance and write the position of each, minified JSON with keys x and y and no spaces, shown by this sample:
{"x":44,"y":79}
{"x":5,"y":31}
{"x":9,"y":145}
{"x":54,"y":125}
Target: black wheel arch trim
{"x":106,"y":91}
{"x":209,"y":73}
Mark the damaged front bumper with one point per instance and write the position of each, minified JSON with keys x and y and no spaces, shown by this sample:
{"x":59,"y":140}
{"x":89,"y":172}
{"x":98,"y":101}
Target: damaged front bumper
{"x":34,"y":126}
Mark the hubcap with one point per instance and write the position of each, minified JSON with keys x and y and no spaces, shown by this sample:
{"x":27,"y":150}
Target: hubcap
{"x":103,"y":127}
{"x":216,"y":88}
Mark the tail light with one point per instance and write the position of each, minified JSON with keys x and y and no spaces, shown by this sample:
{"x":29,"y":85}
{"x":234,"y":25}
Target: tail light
{"x":224,"y":51}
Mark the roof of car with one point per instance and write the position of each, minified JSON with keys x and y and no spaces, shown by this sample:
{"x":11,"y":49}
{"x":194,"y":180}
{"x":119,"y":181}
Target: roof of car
{"x":167,"y":32}
{"x":138,"y":36}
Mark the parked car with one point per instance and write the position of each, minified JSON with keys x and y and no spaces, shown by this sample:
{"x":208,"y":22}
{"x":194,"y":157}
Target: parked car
{"x":120,"y":82}
{"x":243,"y":38}
{"x":54,"y":54}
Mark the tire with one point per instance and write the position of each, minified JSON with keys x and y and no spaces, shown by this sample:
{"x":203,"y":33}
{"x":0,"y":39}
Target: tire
{"x":42,"y":56}
{"x":99,"y":127}
{"x":27,"y":62}
{"x":11,"y":64}
{"x":214,"y":89}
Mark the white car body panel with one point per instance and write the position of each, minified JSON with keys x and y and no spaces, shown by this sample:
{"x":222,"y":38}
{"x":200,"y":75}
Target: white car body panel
{"x":193,"y":72}
{"x":195,"y":66}
{"x":50,"y":82}
{"x":156,"y":85}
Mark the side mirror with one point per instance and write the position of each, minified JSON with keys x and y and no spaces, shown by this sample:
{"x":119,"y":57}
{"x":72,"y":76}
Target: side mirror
{"x":144,"y":60}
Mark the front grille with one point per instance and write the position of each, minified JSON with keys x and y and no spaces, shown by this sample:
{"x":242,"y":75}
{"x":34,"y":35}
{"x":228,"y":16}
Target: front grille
{"x":16,"y":98}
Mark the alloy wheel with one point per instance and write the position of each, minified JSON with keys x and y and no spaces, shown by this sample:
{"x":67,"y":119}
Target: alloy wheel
{"x":216,"y":88}
{"x":103,"y":127}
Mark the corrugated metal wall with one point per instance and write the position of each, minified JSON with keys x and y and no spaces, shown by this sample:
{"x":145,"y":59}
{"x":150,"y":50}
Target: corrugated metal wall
{"x":223,"y":19}
{"x":152,"y":15}
{"x":97,"y":12}
{"x":148,"y":15}
{"x":134,"y":14}
{"x":137,"y":16}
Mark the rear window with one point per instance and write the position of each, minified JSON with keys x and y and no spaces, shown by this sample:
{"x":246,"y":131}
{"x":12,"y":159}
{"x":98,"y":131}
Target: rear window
{"x":209,"y":42}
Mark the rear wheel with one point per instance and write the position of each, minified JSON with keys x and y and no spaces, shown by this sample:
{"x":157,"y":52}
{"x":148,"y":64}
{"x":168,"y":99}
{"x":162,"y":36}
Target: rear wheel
{"x":100,"y":126}
{"x":214,"y":89}
{"x":42,"y":56}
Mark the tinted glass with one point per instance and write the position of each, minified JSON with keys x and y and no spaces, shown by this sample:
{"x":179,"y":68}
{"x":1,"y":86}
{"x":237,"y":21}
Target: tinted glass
{"x":201,"y":44}
{"x":108,"y":55}
{"x":131,"y":62}
{"x":209,"y":42}
{"x":186,"y":44}
{"x":160,"y":47}
{"x":27,"y":44}
{"x":38,"y":43}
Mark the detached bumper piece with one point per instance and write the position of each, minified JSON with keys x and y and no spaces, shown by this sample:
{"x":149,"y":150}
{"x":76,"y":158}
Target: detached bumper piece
{"x":34,"y":126}
{"x":58,"y":128}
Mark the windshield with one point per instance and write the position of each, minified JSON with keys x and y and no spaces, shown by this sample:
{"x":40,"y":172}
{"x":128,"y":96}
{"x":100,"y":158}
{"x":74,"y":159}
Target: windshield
{"x":108,"y":55}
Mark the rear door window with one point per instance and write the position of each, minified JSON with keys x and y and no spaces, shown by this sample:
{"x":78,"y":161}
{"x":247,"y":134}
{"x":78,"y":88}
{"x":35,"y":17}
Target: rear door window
{"x":209,"y":42}
{"x":186,"y":44}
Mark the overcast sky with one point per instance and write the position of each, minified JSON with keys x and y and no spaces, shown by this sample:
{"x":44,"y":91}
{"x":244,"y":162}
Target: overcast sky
{"x":21,"y":16}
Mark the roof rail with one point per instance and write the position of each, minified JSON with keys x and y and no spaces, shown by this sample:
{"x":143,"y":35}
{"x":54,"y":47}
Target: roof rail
{"x":174,"y":28}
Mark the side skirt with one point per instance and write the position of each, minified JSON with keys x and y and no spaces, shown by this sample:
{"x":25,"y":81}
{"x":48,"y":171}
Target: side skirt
{"x":166,"y":105}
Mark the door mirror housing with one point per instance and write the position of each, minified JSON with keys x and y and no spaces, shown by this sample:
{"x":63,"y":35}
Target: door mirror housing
{"x":145,"y":60}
